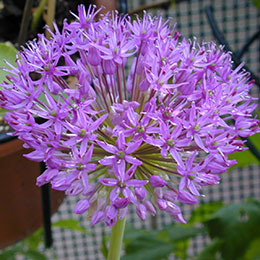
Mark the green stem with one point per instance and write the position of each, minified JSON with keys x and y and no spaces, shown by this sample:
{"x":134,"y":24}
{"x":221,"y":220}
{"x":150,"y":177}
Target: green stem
{"x":50,"y":16}
{"x":27,"y":12}
{"x":116,"y":240}
{"x":37,"y":15}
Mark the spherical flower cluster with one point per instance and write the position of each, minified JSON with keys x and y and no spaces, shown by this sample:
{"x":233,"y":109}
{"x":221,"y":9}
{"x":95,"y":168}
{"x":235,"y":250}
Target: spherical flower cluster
{"x":151,"y":137}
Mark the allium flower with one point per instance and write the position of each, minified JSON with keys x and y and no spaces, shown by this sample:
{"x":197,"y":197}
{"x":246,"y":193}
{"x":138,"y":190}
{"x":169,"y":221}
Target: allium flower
{"x":151,"y":137}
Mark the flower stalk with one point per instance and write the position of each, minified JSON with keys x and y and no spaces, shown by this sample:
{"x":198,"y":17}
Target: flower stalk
{"x":37,"y":15}
{"x":116,"y":240}
{"x":50,"y":16}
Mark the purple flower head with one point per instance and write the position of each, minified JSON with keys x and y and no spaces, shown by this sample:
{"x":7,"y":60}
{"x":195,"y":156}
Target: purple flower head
{"x":152,"y":137}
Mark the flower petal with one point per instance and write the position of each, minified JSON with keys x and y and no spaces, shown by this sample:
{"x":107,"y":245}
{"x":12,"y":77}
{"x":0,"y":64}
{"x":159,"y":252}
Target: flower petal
{"x":114,"y":193}
{"x":107,"y":147}
{"x":175,"y":155}
{"x":108,"y":160}
{"x":132,"y":160}
{"x":109,"y":181}
{"x":136,"y":183}
{"x":133,"y":146}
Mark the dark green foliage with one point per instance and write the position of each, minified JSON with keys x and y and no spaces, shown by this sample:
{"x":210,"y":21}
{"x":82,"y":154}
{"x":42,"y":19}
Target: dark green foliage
{"x":246,"y":157}
{"x":8,"y":53}
{"x":234,"y":231}
{"x":237,"y":225}
{"x":257,"y":3}
{"x":147,"y":247}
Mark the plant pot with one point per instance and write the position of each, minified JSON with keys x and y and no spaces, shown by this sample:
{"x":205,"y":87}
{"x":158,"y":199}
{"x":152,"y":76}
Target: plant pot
{"x":21,"y":202}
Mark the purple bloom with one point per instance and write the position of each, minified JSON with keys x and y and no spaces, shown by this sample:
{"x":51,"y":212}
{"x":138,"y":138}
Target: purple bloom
{"x":152,"y":138}
{"x":121,"y":155}
{"x":123,"y":183}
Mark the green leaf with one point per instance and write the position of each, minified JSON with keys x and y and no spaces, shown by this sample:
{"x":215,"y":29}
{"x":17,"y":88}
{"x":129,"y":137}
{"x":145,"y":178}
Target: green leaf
{"x":132,"y":233}
{"x":8,"y":254}
{"x":182,"y":232}
{"x":147,"y":248}
{"x":204,"y":211}
{"x":180,"y":235}
{"x":253,"y":251}
{"x":210,"y":251}
{"x":180,"y":249}
{"x":34,"y":255}
{"x":243,"y":159}
{"x":246,"y":157}
{"x":144,"y":244}
{"x":257,"y":3}
{"x":21,"y":249}
{"x":34,"y":240}
{"x":236,"y":225}
{"x":7,"y":52}
{"x":11,"y":252}
{"x":71,"y":224}
{"x":163,"y":235}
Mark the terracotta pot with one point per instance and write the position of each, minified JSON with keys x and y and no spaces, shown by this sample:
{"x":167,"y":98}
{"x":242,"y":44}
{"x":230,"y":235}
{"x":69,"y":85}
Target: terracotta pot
{"x":20,"y":207}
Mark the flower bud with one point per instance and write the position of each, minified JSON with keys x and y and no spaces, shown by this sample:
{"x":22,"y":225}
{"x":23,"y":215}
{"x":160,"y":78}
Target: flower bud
{"x":186,"y":197}
{"x":149,"y":206}
{"x":162,"y":204}
{"x":41,"y":180}
{"x":140,"y":193}
{"x":75,"y":189}
{"x":123,"y":212}
{"x":111,"y":211}
{"x":81,"y":206}
{"x":60,"y":183}
{"x":94,"y":56}
{"x":170,"y":195}
{"x":172,"y":208}
{"x":144,"y":85}
{"x":110,"y":221}
{"x":157,"y":181}
{"x":97,"y":217}
{"x":120,"y":203}
{"x":141,"y":211}
{"x":109,"y":66}
{"x":158,"y":192}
